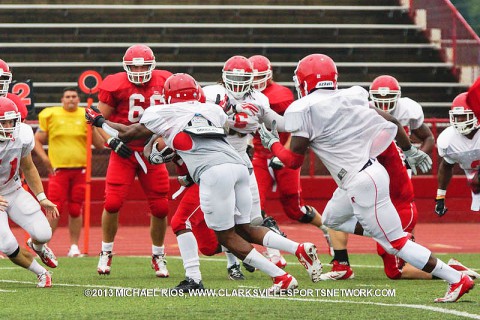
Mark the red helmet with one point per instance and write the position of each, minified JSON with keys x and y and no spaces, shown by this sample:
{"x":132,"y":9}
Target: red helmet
{"x":315,"y":71}
{"x":181,"y":87}
{"x":462,"y":116}
{"x":5,"y":78}
{"x":262,"y":71}
{"x":139,"y":55}
{"x":385,"y":92}
{"x":8,"y":112}
{"x":237,"y":75}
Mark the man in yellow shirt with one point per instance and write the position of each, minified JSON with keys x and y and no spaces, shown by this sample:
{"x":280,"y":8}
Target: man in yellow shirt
{"x":65,"y":131}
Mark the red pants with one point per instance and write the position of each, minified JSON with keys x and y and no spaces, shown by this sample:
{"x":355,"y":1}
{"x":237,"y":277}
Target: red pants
{"x":67,"y":186}
{"x":288,"y":185}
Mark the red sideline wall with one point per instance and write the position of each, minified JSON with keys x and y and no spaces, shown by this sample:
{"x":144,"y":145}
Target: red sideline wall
{"x":316,"y":192}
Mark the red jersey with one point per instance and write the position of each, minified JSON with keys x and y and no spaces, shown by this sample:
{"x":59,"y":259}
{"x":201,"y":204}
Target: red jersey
{"x":129,"y":100}
{"x":280,"y":98}
{"x":401,"y":187}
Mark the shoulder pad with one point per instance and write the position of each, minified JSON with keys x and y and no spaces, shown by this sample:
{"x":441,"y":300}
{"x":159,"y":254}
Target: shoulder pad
{"x":115,"y":82}
{"x":25,"y":134}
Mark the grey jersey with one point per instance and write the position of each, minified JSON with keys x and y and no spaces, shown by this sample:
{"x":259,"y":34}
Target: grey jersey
{"x":169,"y":121}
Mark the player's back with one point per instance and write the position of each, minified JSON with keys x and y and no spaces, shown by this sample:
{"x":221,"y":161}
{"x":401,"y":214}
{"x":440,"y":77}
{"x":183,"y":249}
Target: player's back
{"x":343,"y":131}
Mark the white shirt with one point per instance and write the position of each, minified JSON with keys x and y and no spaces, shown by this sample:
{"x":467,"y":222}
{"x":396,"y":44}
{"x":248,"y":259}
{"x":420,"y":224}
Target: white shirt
{"x":454,"y":147}
{"x":242,"y":123}
{"x":343,"y":131}
{"x":11,"y":152}
{"x":409,"y":113}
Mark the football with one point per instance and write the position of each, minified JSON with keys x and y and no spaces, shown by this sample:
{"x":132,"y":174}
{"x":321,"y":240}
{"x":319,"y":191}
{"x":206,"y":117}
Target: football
{"x":474,"y":183}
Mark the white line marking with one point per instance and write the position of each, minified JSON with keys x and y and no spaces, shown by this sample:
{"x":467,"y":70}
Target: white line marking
{"x":398,"y":305}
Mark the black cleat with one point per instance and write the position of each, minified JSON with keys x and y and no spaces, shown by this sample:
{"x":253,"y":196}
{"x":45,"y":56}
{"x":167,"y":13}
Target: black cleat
{"x":271,"y":224}
{"x":234,"y":273}
{"x":248,"y":267}
{"x":187,"y":285}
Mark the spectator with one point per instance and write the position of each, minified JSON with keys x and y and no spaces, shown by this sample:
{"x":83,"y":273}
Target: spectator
{"x":64,"y":130}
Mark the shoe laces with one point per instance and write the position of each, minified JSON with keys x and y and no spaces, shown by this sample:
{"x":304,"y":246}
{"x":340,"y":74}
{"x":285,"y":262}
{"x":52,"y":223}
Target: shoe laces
{"x":160,"y":259}
{"x":235,"y":270}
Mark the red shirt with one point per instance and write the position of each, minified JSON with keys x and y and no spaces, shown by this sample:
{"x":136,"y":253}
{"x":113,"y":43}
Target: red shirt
{"x":280,"y":98}
{"x":130,"y":100}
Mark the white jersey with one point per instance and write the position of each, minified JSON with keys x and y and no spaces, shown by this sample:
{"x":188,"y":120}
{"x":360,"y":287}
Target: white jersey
{"x":454,"y":147}
{"x":343,"y":131}
{"x":409,"y":113}
{"x":11,"y":152}
{"x":170,"y":120}
{"x":242,"y":125}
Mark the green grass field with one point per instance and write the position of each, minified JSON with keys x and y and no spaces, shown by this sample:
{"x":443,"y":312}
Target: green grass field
{"x":74,"y":279}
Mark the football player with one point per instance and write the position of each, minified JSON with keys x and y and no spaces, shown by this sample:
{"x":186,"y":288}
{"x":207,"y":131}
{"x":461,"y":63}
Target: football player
{"x":460,"y":144}
{"x":5,"y":80}
{"x":270,"y":172}
{"x":196,"y":131}
{"x":123,"y":98}
{"x":16,"y":144}
{"x":347,"y":136}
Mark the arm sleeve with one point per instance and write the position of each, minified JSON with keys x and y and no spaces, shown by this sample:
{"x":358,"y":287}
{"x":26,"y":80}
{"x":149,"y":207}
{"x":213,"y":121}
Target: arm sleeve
{"x":290,"y":159}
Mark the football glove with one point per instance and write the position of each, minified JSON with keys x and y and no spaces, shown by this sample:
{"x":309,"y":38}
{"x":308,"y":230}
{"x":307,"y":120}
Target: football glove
{"x":440,"y":208}
{"x":163,"y":156}
{"x":119,"y":147}
{"x":269,"y":137}
{"x":418,"y":158}
{"x":248,"y":108}
{"x":185,"y":180}
{"x":94,"y":116}
{"x":276,"y":164}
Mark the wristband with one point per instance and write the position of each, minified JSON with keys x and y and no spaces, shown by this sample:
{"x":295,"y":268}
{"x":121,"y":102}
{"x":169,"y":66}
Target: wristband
{"x":41,"y":196}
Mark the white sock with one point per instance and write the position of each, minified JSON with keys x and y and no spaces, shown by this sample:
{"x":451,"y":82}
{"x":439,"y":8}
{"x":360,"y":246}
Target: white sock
{"x":37,"y":247}
{"x":187,"y":244}
{"x":276,"y":241}
{"x":156,"y":250}
{"x":74,"y":246}
{"x":231,"y":259}
{"x":445,"y":272}
{"x":36,"y":268}
{"x":255,"y":259}
{"x":107,"y":246}
{"x":273,"y":252}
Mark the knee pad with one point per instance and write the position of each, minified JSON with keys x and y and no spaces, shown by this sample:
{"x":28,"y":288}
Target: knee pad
{"x":75,"y":209}
{"x":209,"y":249}
{"x":414,"y":254}
{"x":113,"y":203}
{"x":291,"y":206}
{"x":390,"y":266}
{"x":159,"y":207}
{"x":42,"y":234}
{"x":309,"y":213}
{"x":257,"y":221}
{"x":177,"y":224}
{"x":9,"y":245}
{"x":14,"y":254}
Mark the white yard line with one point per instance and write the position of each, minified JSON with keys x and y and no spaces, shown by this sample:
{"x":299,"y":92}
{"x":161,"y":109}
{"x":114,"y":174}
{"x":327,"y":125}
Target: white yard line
{"x":395,"y":305}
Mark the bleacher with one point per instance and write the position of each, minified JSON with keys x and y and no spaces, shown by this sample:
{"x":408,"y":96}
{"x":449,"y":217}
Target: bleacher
{"x":53,"y":43}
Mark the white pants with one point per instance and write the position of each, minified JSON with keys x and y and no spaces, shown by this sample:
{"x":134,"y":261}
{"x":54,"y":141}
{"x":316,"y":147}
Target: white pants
{"x":25,"y":211}
{"x":225,"y":196}
{"x":366,"y":199}
{"x":256,"y":212}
